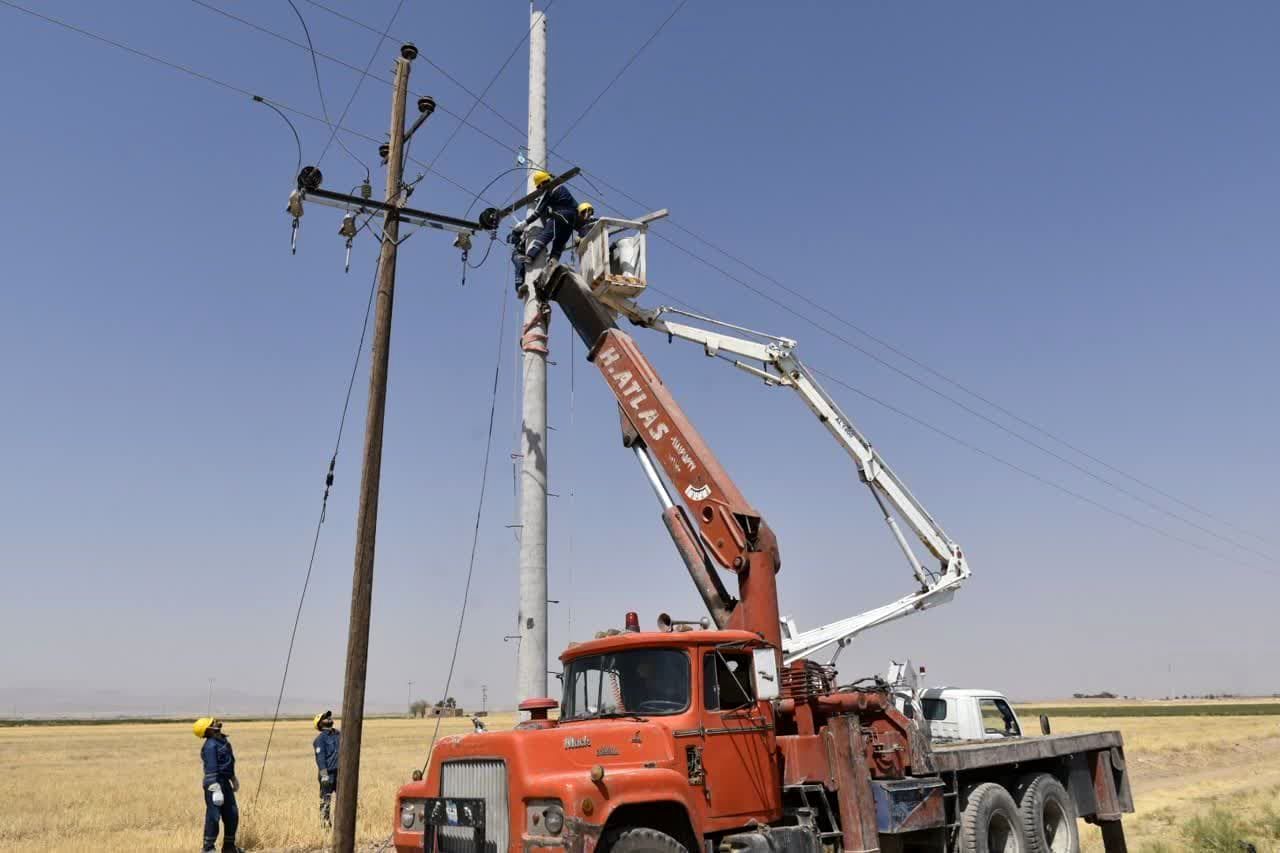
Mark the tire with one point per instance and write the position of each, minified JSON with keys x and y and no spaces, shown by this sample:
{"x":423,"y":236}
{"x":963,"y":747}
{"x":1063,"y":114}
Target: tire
{"x":1048,"y":816}
{"x":990,"y":822}
{"x":641,"y":839}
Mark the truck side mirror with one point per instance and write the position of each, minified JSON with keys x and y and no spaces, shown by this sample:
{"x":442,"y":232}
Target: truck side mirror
{"x":766,"y":667}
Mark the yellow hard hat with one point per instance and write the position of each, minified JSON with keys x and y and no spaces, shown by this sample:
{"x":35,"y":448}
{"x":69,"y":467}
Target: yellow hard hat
{"x":540,"y":177}
{"x":319,"y":719}
{"x":585,"y":208}
{"x":201,"y":726}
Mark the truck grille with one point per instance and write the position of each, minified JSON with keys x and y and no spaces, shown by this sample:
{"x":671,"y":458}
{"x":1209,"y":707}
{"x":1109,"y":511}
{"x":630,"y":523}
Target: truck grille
{"x":487,"y":780}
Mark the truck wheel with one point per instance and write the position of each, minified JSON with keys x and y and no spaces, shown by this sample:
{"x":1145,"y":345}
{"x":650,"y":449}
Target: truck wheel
{"x":641,"y":840}
{"x":1048,"y":816}
{"x":990,"y":822}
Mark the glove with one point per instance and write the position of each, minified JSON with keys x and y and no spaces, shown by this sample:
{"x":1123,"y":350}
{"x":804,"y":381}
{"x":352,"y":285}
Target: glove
{"x":215,"y":790}
{"x":235,"y":784}
{"x":324,"y":776}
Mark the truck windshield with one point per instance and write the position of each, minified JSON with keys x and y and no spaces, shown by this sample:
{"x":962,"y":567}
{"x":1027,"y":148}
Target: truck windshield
{"x":638,"y":681}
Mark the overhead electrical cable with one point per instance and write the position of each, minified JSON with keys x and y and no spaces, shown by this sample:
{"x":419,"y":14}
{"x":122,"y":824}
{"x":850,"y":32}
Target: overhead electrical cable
{"x":634,"y":56}
{"x":324,"y":107}
{"x":315,"y":541}
{"x":475,"y":534}
{"x":1039,"y":478}
{"x":826,"y":330}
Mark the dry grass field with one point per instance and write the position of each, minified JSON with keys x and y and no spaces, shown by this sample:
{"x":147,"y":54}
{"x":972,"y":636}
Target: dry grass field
{"x":137,"y":786}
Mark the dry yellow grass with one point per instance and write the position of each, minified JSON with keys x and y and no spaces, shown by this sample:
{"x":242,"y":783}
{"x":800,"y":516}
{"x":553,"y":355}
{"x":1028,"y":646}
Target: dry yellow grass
{"x":137,"y":787}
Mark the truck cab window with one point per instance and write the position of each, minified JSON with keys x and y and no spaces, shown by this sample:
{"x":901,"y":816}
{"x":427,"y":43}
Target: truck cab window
{"x":934,"y":709}
{"x":998,"y":718}
{"x":638,"y":681}
{"x":726,"y":681}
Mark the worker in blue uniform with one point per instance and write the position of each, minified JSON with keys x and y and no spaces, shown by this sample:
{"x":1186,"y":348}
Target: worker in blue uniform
{"x":326,"y":747}
{"x":557,"y":210}
{"x":220,"y":785}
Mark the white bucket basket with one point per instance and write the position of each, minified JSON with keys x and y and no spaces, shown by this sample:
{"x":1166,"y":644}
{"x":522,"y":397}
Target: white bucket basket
{"x":613,"y":264}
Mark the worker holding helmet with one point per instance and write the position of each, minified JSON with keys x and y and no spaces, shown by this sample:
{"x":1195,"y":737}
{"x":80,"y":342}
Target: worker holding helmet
{"x":558,"y":212}
{"x":326,"y":747}
{"x":220,"y":785}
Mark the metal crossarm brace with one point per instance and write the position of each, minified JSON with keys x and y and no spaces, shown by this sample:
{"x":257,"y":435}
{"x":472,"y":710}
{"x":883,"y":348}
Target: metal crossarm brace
{"x":413,"y":216}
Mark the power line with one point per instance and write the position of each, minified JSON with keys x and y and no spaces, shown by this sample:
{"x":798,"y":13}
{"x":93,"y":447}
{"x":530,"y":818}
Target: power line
{"x":478,"y":98}
{"x":356,"y":91}
{"x":1039,"y":478}
{"x":475,"y":534}
{"x":208,"y":78}
{"x":315,"y":541}
{"x":587,"y":175}
{"x":634,"y":56}
{"x":961,"y":404}
{"x":422,"y":57}
{"x":324,"y":108}
{"x":341,"y":62}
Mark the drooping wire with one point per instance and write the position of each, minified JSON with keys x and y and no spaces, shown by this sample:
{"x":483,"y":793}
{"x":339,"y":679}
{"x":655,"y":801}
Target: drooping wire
{"x":324,"y":109}
{"x":333,"y":134}
{"x":475,"y":535}
{"x":634,"y":56}
{"x":586,"y":175}
{"x":315,"y":541}
{"x":296,"y":140}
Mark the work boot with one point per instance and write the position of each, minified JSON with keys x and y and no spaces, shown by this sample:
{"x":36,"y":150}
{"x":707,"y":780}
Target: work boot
{"x":230,"y":847}
{"x":210,"y":844}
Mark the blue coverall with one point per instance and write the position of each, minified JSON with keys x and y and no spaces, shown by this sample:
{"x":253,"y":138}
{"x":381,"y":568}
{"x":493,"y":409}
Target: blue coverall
{"x":558,"y":211}
{"x":219,"y":766}
{"x":326,"y":746}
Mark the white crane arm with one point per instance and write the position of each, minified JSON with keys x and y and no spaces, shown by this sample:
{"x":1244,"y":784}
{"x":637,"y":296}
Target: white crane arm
{"x":779,"y":366}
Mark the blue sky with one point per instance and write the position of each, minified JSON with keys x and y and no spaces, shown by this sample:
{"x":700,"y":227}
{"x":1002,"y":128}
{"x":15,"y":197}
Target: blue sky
{"x":1071,"y":210}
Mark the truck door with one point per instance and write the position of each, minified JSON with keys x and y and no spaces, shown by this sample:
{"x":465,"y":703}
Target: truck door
{"x":741,"y":776}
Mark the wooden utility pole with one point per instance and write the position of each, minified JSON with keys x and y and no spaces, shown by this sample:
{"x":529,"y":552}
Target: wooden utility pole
{"x":344,"y":827}
{"x":531,"y":656}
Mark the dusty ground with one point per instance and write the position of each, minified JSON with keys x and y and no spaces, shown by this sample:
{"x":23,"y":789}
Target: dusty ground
{"x":1186,"y":766}
{"x":137,"y":787}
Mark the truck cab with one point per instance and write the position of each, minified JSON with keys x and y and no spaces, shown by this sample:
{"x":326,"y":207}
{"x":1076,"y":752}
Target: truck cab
{"x":666,"y":730}
{"x":955,"y":714}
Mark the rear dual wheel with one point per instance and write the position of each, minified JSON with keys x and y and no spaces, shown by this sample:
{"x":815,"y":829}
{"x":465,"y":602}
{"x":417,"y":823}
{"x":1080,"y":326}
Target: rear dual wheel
{"x":1048,"y":816}
{"x":990,"y":822}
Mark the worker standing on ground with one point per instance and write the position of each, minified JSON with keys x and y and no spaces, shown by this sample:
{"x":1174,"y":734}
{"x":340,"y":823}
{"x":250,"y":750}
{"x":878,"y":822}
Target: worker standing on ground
{"x":326,"y":746}
{"x":220,"y":785}
{"x":558,"y":212}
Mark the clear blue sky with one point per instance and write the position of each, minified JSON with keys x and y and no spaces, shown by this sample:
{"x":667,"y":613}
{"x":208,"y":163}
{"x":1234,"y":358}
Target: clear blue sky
{"x":1072,"y":210}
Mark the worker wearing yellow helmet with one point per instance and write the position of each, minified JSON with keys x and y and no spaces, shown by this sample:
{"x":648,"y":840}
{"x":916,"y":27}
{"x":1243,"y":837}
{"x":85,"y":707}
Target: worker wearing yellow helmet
{"x":557,"y":210}
{"x":326,"y":747}
{"x":586,"y":218}
{"x":220,"y":785}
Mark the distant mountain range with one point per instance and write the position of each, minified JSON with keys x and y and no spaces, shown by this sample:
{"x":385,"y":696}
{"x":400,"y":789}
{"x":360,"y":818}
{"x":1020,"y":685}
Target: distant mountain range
{"x":45,"y":702}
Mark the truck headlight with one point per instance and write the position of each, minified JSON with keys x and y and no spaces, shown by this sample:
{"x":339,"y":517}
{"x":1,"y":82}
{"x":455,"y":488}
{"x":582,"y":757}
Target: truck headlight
{"x":408,"y":816}
{"x":553,"y":819}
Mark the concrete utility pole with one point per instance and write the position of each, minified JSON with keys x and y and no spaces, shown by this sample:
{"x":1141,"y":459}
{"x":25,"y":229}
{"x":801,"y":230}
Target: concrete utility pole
{"x":344,"y":825}
{"x":531,"y":667}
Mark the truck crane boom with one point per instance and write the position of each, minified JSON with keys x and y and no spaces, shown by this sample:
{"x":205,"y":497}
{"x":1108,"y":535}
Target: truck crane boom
{"x":780,"y":367}
{"x":729,"y":529}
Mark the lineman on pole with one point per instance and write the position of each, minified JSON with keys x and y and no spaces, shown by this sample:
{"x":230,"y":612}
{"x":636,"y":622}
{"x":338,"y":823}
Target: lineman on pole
{"x":326,"y":746}
{"x":558,"y":211}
